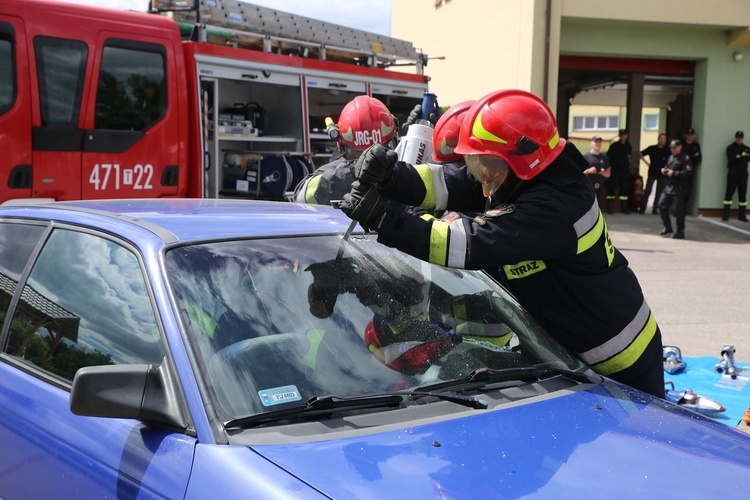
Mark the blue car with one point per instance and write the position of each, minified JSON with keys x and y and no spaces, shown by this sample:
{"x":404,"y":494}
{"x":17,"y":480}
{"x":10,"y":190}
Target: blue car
{"x":236,"y":349}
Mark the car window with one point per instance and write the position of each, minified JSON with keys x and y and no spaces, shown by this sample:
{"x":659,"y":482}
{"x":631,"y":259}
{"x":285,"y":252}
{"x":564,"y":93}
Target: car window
{"x":17,"y":241}
{"x":132,"y":90}
{"x":282,"y":320}
{"x":85,"y":303}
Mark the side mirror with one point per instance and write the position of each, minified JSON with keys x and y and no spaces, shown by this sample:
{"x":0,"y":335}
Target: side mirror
{"x":141,"y":392}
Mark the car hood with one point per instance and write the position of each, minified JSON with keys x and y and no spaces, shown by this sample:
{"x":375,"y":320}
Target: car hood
{"x":606,"y":441}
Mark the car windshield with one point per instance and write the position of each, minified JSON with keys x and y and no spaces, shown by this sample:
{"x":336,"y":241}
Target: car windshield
{"x":279,"y":321}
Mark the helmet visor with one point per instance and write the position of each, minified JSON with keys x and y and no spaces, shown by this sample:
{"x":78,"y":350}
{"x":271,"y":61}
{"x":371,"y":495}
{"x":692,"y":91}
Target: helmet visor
{"x":490,"y":170}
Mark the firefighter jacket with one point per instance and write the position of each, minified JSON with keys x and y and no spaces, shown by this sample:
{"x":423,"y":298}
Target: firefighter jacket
{"x":737,"y":156}
{"x":329,"y":182}
{"x":682,"y":172}
{"x":547,"y":240}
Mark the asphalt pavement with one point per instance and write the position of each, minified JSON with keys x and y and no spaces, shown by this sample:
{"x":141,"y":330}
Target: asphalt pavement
{"x":698,"y":288}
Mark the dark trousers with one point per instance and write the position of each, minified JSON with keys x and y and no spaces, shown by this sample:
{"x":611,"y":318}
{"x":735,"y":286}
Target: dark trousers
{"x":619,"y":179}
{"x":673,"y":198}
{"x":659,"y":180}
{"x":736,"y":181}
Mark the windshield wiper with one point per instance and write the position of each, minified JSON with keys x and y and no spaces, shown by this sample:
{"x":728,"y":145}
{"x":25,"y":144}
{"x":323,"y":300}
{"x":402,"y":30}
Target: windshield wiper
{"x":330,"y":404}
{"x":322,"y":404}
{"x":483,"y":376}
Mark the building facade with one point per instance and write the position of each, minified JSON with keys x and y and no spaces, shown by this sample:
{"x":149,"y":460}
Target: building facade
{"x":689,"y":59}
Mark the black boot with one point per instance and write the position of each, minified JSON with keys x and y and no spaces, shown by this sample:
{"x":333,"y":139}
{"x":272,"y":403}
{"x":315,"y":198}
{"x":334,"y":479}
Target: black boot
{"x":610,"y":206}
{"x":624,"y":208}
{"x":743,"y":214}
{"x":725,"y":216}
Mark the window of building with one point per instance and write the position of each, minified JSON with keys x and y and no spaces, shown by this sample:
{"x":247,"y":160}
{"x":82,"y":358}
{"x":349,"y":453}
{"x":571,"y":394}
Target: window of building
{"x":596,"y":122}
{"x":7,"y":68}
{"x":61,"y":66}
{"x":651,"y":122}
{"x":85,"y":303}
{"x":132,"y":90}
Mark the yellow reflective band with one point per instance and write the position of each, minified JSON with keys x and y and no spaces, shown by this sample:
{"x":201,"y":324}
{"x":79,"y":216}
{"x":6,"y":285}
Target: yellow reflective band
{"x":729,"y":202}
{"x":426,"y":175}
{"x":478,"y":131}
{"x":553,"y":142}
{"x":200,"y":318}
{"x":459,"y":307}
{"x":524,"y":269}
{"x":630,"y":354}
{"x":439,"y":243}
{"x":742,"y":203}
{"x":315,"y":337}
{"x":312,"y":187}
{"x":496,"y":341}
{"x":590,"y":238}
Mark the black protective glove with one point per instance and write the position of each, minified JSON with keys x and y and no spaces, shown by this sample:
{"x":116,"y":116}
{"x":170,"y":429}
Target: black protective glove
{"x":375,"y":166}
{"x":364,"y":204}
{"x":416,"y":114}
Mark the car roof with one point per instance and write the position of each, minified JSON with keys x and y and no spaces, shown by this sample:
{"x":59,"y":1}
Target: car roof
{"x":190,"y":219}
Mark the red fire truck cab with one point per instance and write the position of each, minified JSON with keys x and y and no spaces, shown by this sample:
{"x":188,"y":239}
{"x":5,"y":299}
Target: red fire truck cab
{"x":102,"y":103}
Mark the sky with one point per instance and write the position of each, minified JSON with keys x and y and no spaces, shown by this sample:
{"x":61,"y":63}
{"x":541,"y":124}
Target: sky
{"x":368,"y":15}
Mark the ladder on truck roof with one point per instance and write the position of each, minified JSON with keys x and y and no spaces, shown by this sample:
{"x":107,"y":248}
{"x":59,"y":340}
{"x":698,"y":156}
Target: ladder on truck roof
{"x":242,"y":24}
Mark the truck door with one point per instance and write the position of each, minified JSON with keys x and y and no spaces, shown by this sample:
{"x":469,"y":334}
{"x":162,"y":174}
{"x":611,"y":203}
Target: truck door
{"x":15,"y":111}
{"x":134,"y":121}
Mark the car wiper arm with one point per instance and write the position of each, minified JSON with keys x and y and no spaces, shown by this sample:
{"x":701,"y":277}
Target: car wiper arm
{"x":483,"y":376}
{"x":468,"y":401}
{"x":323,"y":404}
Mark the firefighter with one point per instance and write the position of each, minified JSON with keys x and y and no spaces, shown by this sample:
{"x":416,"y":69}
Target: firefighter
{"x":677,"y":172}
{"x":619,"y":180}
{"x":363,"y":122}
{"x":527,"y":215}
{"x":738,"y":155}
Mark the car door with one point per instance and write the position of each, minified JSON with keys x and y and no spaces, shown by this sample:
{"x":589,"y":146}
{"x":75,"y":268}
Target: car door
{"x":83,"y":301}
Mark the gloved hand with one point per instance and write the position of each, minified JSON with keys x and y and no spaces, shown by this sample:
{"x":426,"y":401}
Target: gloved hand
{"x":416,"y":114}
{"x":363,"y":204}
{"x":375,"y":166}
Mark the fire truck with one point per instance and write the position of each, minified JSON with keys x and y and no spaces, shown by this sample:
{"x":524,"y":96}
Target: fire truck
{"x":215,"y":98}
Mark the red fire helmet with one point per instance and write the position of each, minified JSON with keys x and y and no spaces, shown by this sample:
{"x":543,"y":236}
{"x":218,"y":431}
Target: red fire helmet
{"x":515,"y":126}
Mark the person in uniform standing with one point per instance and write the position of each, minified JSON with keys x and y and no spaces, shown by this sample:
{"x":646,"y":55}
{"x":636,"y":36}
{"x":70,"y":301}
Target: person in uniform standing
{"x":738,"y":154}
{"x":677,"y":173}
{"x":598,"y":169}
{"x":692,"y":148}
{"x":657,"y":158}
{"x":619,"y":180}
{"x":523,"y":211}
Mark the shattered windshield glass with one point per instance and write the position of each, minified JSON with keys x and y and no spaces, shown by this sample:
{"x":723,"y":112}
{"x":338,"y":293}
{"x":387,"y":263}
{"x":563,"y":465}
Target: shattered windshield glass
{"x":279,"y":321}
